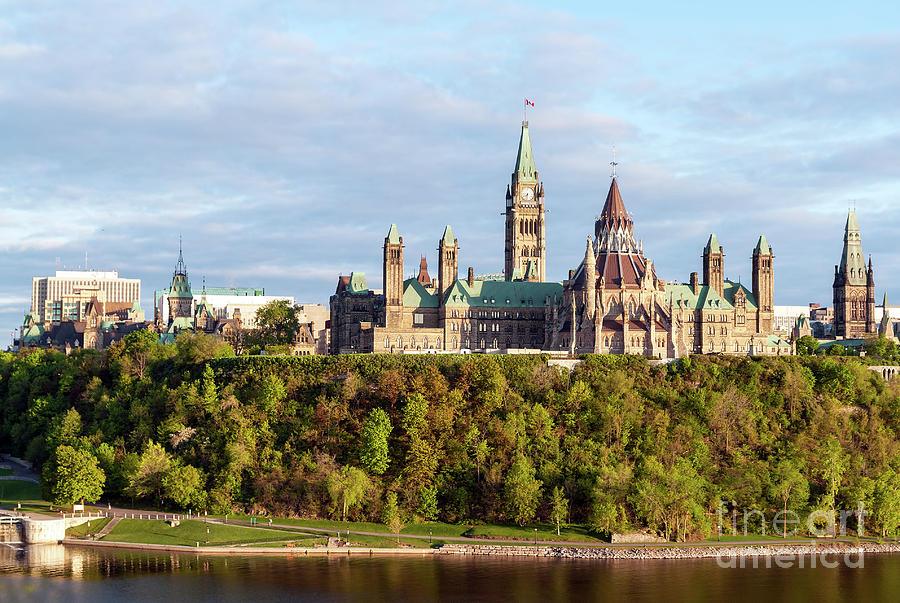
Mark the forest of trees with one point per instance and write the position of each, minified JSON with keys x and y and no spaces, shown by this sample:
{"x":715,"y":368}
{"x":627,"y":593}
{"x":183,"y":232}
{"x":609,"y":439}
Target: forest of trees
{"x":615,"y":444}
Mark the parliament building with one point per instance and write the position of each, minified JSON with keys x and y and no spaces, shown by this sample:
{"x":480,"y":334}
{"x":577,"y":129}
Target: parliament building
{"x":613,"y":302}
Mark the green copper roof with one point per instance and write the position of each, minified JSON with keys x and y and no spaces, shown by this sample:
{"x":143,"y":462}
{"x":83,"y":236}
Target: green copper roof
{"x":707,"y":298}
{"x":762,"y":246}
{"x":181,"y":287}
{"x":393,"y":235}
{"x":712,"y":245}
{"x":502,"y":294}
{"x":416,"y":296}
{"x":448,"y":235}
{"x":358,"y":283}
{"x":525,"y":159}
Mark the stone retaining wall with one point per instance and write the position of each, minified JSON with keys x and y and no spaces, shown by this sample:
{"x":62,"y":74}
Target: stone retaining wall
{"x":669,"y":552}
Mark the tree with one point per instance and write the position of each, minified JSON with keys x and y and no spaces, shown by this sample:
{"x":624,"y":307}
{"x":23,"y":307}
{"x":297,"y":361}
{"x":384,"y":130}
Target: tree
{"x":390,"y":514}
{"x":886,"y":502}
{"x":347,"y":488}
{"x":277,"y":323}
{"x":374,"y":450}
{"x":789,"y":485}
{"x":150,"y":471}
{"x":73,"y":475}
{"x":521,"y":490}
{"x":834,"y":464}
{"x":807,"y":345}
{"x":559,"y":507}
{"x":183,"y":485}
{"x":414,"y":414}
{"x":427,"y":505}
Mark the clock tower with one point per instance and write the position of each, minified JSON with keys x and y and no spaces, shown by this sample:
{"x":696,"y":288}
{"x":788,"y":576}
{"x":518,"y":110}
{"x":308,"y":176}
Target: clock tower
{"x":526,"y":241}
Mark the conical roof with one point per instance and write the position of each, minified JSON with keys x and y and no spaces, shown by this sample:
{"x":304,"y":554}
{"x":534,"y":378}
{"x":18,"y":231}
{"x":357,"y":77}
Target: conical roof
{"x":423,"y":276}
{"x":614,"y":214}
{"x":525,"y":170}
{"x":762,"y":246}
{"x":712,"y":245}
{"x":448,"y":235}
{"x":393,"y":235}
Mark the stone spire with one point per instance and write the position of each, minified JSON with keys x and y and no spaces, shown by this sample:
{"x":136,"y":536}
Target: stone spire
{"x":853,"y":265}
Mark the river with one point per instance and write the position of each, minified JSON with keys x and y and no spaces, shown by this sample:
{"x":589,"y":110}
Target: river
{"x":71,"y":574}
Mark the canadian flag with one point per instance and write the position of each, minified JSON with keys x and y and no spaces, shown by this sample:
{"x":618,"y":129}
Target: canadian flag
{"x":528,"y":102}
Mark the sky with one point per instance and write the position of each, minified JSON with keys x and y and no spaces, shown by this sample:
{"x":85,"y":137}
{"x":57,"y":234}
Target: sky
{"x":281,"y":139}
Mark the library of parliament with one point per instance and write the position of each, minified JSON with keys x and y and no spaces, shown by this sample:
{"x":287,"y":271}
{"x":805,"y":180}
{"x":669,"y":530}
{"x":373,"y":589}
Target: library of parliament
{"x":612,"y":302}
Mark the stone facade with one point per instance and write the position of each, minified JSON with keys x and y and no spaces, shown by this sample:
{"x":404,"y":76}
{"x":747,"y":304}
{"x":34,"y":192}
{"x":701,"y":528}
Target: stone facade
{"x":614,"y":303}
{"x":854,"y":287}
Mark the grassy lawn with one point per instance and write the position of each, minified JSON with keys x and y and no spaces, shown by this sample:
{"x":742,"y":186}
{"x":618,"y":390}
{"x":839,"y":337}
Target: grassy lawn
{"x":13,"y":491}
{"x":189,"y":532}
{"x":301,"y":543}
{"x":85,"y":530}
{"x":6,"y":471}
{"x":527,"y":532}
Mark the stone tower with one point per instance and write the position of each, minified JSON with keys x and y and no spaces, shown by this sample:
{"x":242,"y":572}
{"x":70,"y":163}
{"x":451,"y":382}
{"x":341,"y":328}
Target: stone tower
{"x":393,"y":268}
{"x":180,"y":297}
{"x":714,"y":265}
{"x":854,"y":287}
{"x":526,"y":238}
{"x":764,"y":285}
{"x":448,"y":262}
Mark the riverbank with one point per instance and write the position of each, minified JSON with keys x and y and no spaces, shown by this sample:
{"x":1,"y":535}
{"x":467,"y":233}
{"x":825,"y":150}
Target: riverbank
{"x":561,"y":552}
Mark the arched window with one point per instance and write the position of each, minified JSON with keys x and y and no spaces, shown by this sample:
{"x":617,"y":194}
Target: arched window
{"x":494,"y":344}
{"x":438,"y":343}
{"x":399,"y":342}
{"x":482,"y":344}
{"x":606,"y":341}
{"x":387,"y":342}
{"x":454,"y":341}
{"x":412,"y":341}
{"x":425,"y":342}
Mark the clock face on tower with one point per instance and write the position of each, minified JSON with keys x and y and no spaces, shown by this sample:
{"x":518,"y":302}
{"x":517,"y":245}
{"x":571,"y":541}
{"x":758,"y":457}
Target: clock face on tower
{"x":527,"y":194}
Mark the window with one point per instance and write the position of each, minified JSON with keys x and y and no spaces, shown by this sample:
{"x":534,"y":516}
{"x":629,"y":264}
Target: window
{"x":438,"y":343}
{"x":399,"y":342}
{"x":418,"y":319}
{"x":412,"y":341}
{"x":387,"y":342}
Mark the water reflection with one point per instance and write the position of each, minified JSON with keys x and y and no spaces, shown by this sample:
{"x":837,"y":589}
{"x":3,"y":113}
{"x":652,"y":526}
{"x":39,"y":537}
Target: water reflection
{"x":52,"y":572}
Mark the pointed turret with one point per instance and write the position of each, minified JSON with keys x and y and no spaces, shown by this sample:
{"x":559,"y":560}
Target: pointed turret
{"x":525,"y":170}
{"x":393,"y":235}
{"x":853,"y":266}
{"x":762,"y":246}
{"x":448,"y":262}
{"x":614,"y":229}
{"x":712,"y":245}
{"x":764,"y":283}
{"x":714,"y":265}
{"x":392,"y":268}
{"x":180,"y":297}
{"x":590,"y":272}
{"x":423,"y":277}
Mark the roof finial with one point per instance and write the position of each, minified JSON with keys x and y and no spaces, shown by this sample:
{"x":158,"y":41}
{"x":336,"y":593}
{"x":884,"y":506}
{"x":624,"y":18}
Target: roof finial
{"x":613,"y":162}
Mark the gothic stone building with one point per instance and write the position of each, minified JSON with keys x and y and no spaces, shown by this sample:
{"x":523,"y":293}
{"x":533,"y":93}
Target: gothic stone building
{"x":614,"y":302}
{"x":854,"y":287}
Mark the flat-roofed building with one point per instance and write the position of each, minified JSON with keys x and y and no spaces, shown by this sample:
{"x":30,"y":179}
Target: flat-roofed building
{"x":67,"y":295}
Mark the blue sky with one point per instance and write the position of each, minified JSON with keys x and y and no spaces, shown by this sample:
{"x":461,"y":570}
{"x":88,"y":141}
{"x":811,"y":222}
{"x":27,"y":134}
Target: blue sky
{"x":282,"y":139}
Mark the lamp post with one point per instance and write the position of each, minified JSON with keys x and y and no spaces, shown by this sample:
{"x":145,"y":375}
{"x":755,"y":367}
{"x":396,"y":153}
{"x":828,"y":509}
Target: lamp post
{"x":429,"y":537}
{"x":535,"y":537}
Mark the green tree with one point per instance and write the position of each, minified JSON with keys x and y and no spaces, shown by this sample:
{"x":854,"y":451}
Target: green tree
{"x":807,"y":345}
{"x":348,"y":488}
{"x":152,"y":467}
{"x":374,"y":450}
{"x":834,"y":464}
{"x":390,"y":514}
{"x":788,"y":486}
{"x":183,"y":485}
{"x":415,"y":413}
{"x":73,"y":475}
{"x":885,"y":505}
{"x":559,"y":507}
{"x":277,"y":323}
{"x":427,"y":505}
{"x":521,"y":490}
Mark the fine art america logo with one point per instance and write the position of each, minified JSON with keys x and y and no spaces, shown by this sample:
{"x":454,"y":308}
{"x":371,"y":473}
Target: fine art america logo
{"x":819,"y":524}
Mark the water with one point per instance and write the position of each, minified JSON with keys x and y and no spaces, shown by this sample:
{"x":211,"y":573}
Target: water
{"x":57,"y":573}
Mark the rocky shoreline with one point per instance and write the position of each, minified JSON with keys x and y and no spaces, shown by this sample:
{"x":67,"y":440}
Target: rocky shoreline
{"x":672,"y":552}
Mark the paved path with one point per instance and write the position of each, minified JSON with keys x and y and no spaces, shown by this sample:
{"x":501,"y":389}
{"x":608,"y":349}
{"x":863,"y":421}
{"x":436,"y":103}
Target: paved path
{"x":108,"y":527}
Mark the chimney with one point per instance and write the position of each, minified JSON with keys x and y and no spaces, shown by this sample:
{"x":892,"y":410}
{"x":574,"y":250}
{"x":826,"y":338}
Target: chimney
{"x":471,"y":277}
{"x":695,"y":285}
